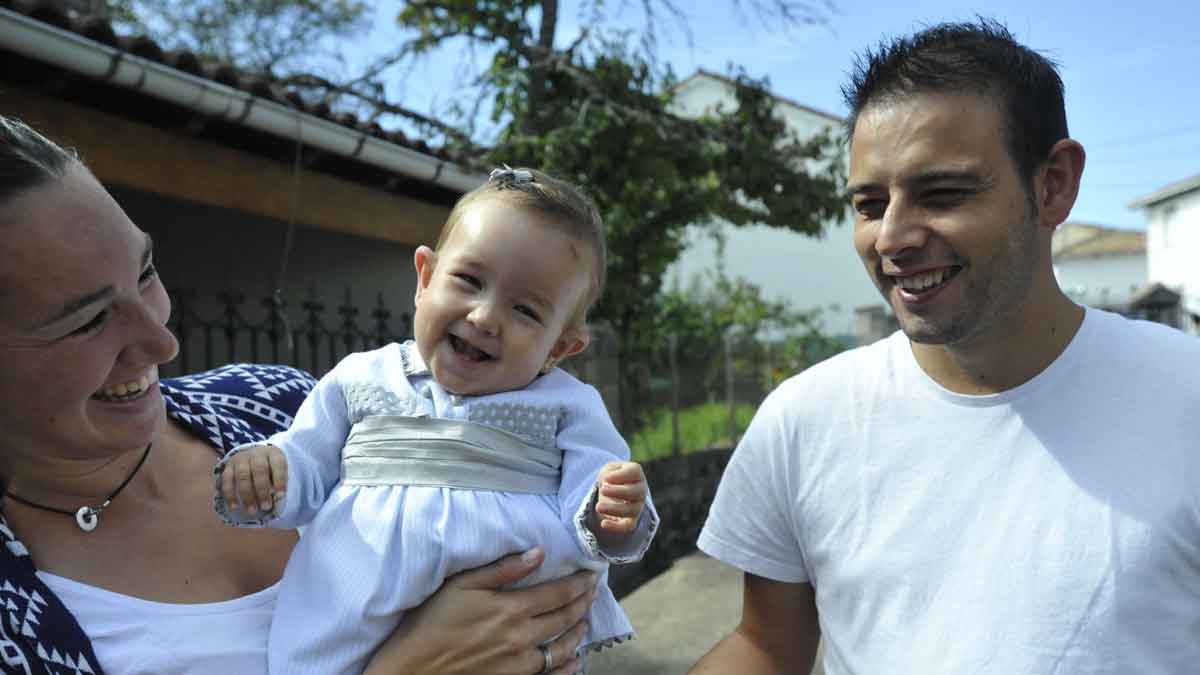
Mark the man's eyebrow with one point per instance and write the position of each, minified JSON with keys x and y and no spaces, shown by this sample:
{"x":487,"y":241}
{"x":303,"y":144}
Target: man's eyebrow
{"x":961,"y":176}
{"x":76,"y":304}
{"x":860,"y":188}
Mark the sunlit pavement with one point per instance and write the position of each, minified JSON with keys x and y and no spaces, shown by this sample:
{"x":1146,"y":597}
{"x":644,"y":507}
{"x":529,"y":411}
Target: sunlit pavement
{"x":678,"y":616}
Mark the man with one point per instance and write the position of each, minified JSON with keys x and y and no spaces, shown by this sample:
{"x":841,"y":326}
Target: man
{"x":1011,"y":483}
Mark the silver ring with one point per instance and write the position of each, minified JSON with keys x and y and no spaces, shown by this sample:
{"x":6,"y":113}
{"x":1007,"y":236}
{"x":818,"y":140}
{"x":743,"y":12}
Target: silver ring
{"x":547,"y":660}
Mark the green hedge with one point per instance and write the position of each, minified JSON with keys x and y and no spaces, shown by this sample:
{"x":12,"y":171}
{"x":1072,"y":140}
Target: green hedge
{"x":704,"y":426}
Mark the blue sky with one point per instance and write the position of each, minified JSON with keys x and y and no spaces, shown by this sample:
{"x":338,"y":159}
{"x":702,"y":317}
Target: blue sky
{"x":1131,"y":72}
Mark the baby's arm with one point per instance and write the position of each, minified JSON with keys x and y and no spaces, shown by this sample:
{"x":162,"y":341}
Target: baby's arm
{"x":590,"y":444}
{"x":254,"y":479}
{"x":621,"y":497}
{"x":308,"y":457}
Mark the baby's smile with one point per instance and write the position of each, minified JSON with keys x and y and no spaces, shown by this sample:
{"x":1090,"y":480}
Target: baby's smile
{"x":468,"y":351}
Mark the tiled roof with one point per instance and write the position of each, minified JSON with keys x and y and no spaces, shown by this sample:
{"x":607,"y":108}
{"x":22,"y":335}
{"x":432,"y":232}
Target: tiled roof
{"x":101,"y":30}
{"x":1081,"y":240}
{"x":1163,"y":194}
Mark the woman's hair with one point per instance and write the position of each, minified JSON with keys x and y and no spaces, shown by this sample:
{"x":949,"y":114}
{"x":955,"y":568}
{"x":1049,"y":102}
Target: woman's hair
{"x":28,"y":159}
{"x":566,"y":208}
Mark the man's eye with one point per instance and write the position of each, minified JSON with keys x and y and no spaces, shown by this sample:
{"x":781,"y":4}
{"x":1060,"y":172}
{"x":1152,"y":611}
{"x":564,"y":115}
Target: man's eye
{"x":93,"y":325}
{"x":529,"y":312}
{"x":870,"y":209}
{"x":945,"y":197}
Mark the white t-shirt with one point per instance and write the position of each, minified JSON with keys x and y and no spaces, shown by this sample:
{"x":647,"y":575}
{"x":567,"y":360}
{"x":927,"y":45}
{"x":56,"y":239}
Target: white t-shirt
{"x":132,"y":636}
{"x":1051,"y":528}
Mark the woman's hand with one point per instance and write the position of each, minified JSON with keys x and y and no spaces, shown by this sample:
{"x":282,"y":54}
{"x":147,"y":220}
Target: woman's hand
{"x":471,"y":626}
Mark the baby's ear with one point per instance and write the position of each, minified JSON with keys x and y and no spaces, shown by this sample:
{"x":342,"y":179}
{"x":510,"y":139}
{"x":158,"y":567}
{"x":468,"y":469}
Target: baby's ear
{"x":424,"y":260}
{"x":572,"y":341}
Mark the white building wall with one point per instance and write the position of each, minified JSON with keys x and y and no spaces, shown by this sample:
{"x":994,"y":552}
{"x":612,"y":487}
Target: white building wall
{"x":1101,"y":280}
{"x":1172,"y":241}
{"x":809,"y":273}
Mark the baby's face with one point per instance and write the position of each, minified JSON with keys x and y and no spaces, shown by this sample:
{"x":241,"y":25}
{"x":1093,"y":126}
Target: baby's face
{"x":494,"y":305}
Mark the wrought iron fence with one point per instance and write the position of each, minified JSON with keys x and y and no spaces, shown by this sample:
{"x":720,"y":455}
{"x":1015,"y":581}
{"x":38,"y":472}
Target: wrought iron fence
{"x":224,"y":328}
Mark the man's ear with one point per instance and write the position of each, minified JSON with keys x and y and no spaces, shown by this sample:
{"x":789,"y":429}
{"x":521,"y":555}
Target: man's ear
{"x":1057,"y":183}
{"x":571,"y":342}
{"x":424,"y":260}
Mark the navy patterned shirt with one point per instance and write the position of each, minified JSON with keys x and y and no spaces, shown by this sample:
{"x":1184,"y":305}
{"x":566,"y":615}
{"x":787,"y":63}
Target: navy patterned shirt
{"x":228,"y":406}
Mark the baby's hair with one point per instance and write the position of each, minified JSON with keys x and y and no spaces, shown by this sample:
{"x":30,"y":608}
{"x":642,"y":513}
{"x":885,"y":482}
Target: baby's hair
{"x":566,"y":207}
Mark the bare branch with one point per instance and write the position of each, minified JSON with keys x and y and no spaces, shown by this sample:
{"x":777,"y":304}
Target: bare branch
{"x":377,"y":102}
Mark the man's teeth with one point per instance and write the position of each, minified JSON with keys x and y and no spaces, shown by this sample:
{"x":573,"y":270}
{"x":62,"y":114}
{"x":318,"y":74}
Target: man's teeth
{"x":126,"y":389}
{"x":920,"y":282}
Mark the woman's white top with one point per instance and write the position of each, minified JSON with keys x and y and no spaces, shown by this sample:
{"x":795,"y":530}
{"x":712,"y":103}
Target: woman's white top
{"x":132,"y":636}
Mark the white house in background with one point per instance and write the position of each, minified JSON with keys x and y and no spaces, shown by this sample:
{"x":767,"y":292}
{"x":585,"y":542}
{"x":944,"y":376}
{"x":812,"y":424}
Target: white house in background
{"x":1099,"y":266}
{"x":1173,"y":243}
{"x":809,"y":272}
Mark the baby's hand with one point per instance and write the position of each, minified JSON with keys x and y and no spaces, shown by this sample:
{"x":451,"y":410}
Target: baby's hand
{"x":254,"y":478}
{"x":622,"y":496}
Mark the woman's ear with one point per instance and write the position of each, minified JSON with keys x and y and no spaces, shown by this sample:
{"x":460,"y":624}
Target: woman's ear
{"x":424,"y":260}
{"x":572,"y":341}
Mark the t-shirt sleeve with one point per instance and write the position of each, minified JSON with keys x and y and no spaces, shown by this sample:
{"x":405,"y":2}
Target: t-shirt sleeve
{"x":751,"y":523}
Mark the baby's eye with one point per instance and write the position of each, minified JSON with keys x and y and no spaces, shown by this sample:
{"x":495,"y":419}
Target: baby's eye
{"x":529,"y":312}
{"x":469,"y":279}
{"x":147,"y":274}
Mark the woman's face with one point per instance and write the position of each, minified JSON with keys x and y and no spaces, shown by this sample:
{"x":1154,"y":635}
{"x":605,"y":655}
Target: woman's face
{"x":82,"y":325}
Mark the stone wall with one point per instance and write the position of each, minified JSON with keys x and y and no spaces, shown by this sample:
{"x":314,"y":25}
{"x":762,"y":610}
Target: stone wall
{"x":683,"y":488}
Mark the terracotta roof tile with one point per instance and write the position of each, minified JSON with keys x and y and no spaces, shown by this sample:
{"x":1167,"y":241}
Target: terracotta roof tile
{"x":101,"y":30}
{"x":1081,"y":240}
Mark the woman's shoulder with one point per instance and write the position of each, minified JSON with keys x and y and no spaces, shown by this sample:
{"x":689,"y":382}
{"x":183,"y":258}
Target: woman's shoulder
{"x":237,"y":403}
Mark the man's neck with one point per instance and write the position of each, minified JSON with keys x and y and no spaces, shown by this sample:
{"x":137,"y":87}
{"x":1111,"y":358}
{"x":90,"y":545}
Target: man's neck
{"x":1003,"y":359}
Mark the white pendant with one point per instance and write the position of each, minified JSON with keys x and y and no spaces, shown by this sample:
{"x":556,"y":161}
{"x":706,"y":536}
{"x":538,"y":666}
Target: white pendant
{"x":87,"y":518}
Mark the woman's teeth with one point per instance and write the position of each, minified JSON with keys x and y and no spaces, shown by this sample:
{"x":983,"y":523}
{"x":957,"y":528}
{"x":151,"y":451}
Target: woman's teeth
{"x":126,"y":390}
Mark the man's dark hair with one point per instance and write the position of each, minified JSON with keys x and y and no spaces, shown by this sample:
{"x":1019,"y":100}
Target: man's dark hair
{"x":28,"y":159}
{"x":980,"y":58}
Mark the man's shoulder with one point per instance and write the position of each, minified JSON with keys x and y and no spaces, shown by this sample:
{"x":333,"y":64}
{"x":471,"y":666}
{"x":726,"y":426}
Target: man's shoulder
{"x":1146,"y":342}
{"x":1146,"y":357}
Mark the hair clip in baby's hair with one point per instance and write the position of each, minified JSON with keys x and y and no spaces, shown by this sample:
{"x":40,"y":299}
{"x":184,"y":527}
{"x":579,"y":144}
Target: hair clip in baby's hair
{"x":510,"y":176}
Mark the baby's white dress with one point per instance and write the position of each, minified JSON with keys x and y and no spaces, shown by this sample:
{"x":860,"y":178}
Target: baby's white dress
{"x":370,"y":552}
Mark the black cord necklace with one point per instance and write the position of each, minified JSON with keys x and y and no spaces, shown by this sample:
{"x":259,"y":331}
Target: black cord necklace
{"x":88,"y":517}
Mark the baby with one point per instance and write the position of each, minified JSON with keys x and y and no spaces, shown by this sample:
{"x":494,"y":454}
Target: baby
{"x":417,"y":460}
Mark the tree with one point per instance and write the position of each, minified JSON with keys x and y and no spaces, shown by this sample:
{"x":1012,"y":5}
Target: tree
{"x":599,"y":112}
{"x":268,"y":36}
{"x":700,"y":319}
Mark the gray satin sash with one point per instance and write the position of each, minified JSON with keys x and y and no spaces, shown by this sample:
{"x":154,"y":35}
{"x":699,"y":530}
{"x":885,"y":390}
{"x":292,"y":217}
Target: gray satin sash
{"x":399,"y":450}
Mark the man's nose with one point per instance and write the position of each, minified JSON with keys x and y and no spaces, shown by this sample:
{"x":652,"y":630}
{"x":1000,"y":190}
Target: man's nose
{"x":901,"y":229}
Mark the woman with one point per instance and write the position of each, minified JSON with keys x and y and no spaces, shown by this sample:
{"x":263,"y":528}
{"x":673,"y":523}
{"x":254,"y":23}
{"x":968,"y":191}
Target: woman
{"x":114,"y":559}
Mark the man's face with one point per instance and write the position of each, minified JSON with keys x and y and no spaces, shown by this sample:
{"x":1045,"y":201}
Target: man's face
{"x":944,"y":224}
